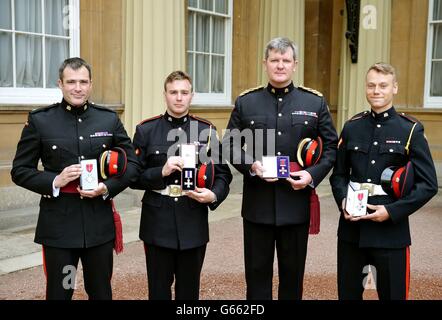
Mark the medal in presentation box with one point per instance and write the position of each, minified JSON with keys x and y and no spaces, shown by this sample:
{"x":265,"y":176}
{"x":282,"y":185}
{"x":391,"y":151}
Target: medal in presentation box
{"x":89,"y":174}
{"x":276,"y":166}
{"x":356,"y":203}
{"x":188,"y":176}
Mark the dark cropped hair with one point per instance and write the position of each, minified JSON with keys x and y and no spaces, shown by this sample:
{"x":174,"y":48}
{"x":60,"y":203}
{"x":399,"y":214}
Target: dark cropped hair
{"x":75,"y":64}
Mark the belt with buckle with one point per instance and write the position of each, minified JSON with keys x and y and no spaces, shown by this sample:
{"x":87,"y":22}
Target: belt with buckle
{"x":172,"y":190}
{"x":373,"y":189}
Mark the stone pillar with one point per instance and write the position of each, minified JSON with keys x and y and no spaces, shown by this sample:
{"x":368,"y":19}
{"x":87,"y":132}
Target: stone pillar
{"x":374,"y":46}
{"x":281,"y":18}
{"x":154,"y":46}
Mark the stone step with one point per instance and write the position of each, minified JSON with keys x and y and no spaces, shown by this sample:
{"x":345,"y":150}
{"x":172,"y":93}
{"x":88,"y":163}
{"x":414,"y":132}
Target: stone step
{"x":18,"y":250}
{"x":18,"y":218}
{"x":22,"y":219}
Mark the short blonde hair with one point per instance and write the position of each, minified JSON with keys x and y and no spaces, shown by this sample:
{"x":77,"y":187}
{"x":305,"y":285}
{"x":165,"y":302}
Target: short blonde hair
{"x":384,"y":68}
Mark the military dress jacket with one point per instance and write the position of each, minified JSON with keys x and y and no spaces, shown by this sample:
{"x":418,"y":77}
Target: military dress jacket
{"x":175,"y":222}
{"x":368,"y":144}
{"x":60,"y":135}
{"x":272,"y":122}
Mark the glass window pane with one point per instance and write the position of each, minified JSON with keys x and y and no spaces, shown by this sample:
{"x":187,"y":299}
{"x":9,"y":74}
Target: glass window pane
{"x":206,"y":5}
{"x":218,"y":74}
{"x":202,"y":33}
{"x":437,"y":41}
{"x":218,"y":38}
{"x":57,"y":17}
{"x":190,"y":32}
{"x":5,"y":14}
{"x":222,"y":6}
{"x":202,"y":73}
{"x":29,"y":61}
{"x":190,"y":65}
{"x":56,"y":51}
{"x":193,"y":3}
{"x":28,"y":15}
{"x":6,"y":77}
{"x":436,"y":79}
{"x":437,"y":10}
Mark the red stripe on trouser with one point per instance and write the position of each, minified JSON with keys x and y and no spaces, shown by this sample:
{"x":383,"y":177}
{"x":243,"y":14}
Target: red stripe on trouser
{"x":407,"y":273}
{"x":44,"y":269}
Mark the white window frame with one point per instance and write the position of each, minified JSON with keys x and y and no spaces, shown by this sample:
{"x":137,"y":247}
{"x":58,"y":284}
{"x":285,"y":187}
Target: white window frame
{"x":219,"y":99}
{"x":39,"y":96}
{"x":429,"y":101}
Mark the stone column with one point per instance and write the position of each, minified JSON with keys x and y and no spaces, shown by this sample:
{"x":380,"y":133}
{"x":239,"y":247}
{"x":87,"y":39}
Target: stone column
{"x":154,"y":41}
{"x":281,"y":18}
{"x":374,"y":46}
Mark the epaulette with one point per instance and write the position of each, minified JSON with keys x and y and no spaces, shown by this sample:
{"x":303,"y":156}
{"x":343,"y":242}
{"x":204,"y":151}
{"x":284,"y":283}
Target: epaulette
{"x":408,"y":117}
{"x":360,"y":115}
{"x":150,"y":119}
{"x":251,"y":90}
{"x":91,"y":104}
{"x":201,"y":119}
{"x":311,"y":90}
{"x":44,"y":108}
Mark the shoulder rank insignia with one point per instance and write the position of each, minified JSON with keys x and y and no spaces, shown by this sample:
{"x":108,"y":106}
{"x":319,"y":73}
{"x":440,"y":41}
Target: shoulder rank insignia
{"x":360,"y":115}
{"x":251,"y":90}
{"x":92,"y":104}
{"x":150,"y":119}
{"x":408,"y":117}
{"x":44,"y":108}
{"x":319,"y":94}
{"x":201,"y":119}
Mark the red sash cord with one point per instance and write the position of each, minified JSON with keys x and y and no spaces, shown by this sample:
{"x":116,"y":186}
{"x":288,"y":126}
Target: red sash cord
{"x":71,"y":187}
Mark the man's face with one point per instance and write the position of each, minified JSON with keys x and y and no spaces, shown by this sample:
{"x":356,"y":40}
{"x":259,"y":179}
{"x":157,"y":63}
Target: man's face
{"x":76,"y":86}
{"x":178,"y":97}
{"x":280,"y":67}
{"x":380,"y":90}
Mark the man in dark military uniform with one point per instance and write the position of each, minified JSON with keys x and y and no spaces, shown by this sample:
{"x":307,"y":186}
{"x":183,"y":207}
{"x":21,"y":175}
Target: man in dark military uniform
{"x":73,"y":224}
{"x":276,"y":212}
{"x":174,"y":223}
{"x":370,"y":142}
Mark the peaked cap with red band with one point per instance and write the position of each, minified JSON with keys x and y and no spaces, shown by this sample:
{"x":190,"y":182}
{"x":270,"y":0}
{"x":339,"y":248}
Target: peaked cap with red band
{"x":309,"y":152}
{"x":206,"y":175}
{"x":398,"y":181}
{"x":113,"y":163}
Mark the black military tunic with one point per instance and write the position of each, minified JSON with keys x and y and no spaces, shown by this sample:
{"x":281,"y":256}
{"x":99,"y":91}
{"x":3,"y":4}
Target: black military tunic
{"x":293,"y":114}
{"x":176,"y":223}
{"x":369,"y":143}
{"x":60,"y":135}
{"x":275,"y":215}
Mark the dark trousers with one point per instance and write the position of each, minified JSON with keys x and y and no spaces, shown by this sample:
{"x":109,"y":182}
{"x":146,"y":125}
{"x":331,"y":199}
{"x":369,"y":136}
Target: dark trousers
{"x":60,"y":266}
{"x":165,"y":265}
{"x":259,"y":248}
{"x":390,"y":269}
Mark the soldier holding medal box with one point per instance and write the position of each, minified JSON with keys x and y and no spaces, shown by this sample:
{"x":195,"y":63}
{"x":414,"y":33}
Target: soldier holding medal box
{"x":277,"y":205}
{"x":77,"y":218}
{"x":182,"y":179}
{"x":383,"y":173}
